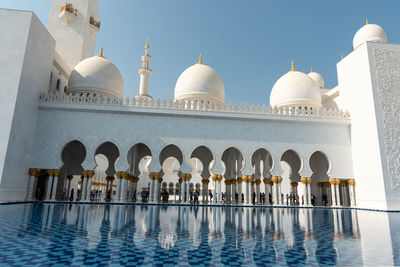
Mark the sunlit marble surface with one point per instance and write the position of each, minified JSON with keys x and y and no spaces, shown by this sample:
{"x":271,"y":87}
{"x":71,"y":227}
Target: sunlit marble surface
{"x":48,"y":234}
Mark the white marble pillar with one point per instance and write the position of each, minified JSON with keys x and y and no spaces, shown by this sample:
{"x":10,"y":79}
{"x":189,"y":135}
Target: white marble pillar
{"x":123,"y":192}
{"x":305,"y":190}
{"x":158,"y":191}
{"x":233,"y":190}
{"x":239,"y":190}
{"x":227,"y":192}
{"x":48,"y":185}
{"x":352,"y":191}
{"x":55,"y":182}
{"x":183,"y":191}
{"x":152,"y":187}
{"x":215,"y":183}
{"x":89,"y":185}
{"x":333,"y":192}
{"x":107,"y":187}
{"x":219,"y":194}
{"x":188,"y":189}
{"x":111,"y":188}
{"x":118,"y":195}
{"x":84,"y":186}
{"x":33,"y":173}
{"x":258,"y":201}
{"x":246,"y":191}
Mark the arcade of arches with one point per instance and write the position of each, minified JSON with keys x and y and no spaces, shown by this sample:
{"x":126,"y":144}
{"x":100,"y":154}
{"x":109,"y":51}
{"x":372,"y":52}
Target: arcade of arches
{"x":105,"y":183}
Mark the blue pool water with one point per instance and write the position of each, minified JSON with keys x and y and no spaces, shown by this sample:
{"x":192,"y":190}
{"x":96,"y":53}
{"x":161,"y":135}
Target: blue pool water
{"x":70,"y":234}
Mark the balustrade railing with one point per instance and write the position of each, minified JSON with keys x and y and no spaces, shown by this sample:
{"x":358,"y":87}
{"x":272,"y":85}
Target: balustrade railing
{"x":96,"y":99}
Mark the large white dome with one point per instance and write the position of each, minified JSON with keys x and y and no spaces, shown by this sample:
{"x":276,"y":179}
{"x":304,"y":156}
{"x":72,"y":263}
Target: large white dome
{"x":369,"y":33}
{"x":200,"y":82}
{"x":295,"y":88}
{"x":96,"y":75}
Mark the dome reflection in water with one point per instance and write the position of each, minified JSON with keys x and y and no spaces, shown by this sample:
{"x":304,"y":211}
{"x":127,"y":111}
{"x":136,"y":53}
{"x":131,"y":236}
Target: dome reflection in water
{"x":48,"y":234}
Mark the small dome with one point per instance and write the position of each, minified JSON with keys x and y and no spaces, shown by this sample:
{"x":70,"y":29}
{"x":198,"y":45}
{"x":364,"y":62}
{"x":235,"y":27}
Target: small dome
{"x":96,"y":75}
{"x":200,"y":82}
{"x":369,"y":33}
{"x":317,"y":78}
{"x":295,"y":88}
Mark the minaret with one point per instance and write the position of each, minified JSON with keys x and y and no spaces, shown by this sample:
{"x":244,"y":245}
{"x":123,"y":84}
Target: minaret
{"x":145,"y":72}
{"x":74,"y":25}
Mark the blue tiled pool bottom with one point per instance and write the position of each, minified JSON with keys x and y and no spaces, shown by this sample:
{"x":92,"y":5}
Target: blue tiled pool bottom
{"x":70,"y":234}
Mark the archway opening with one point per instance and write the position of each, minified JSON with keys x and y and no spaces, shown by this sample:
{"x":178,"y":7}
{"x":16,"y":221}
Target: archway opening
{"x":72,"y":156}
{"x":290,"y":191}
{"x":320,"y":187}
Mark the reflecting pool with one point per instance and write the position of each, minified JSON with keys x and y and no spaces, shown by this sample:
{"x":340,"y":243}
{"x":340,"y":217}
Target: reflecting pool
{"x":48,"y":234}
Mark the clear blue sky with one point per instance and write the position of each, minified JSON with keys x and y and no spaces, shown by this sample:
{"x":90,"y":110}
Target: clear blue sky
{"x":250,"y":43}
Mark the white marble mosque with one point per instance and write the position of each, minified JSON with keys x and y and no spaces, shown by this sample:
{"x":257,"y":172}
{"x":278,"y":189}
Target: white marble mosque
{"x":67,"y":125}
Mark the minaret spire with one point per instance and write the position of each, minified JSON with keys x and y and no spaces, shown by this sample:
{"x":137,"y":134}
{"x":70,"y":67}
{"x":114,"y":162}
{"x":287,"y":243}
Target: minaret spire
{"x":145,"y":72}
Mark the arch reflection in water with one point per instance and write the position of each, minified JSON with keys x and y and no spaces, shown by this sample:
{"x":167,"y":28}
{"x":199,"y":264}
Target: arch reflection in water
{"x":139,"y":234}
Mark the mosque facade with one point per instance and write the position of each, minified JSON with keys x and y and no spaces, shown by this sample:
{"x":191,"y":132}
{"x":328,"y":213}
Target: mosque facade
{"x":69,"y":128}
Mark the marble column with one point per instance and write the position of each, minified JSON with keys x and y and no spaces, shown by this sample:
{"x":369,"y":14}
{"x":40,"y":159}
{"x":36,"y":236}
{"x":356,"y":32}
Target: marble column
{"x":180,"y":189}
{"x":158,"y":183}
{"x":227,"y":191}
{"x":233,"y":190}
{"x":84,"y":185}
{"x":183,"y":188}
{"x":55,"y":182}
{"x":246,"y":190}
{"x":152,"y":186}
{"x":257,"y":183}
{"x":107,"y":187}
{"x":305,"y":196}
{"x":352,"y":191}
{"x":69,"y":178}
{"x":219,"y":193}
{"x":118,"y":195}
{"x":48,"y":185}
{"x":332,"y":181}
{"x":214,"y":178}
{"x":124,"y":186}
{"x":188,"y":177}
{"x":89,"y":184}
{"x":33,"y":174}
{"x":239,"y":189}
{"x":111,"y":188}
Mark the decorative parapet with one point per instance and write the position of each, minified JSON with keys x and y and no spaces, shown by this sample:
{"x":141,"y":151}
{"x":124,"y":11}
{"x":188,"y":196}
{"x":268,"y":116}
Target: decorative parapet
{"x":94,"y":22}
{"x":68,"y":7}
{"x":200,"y":106}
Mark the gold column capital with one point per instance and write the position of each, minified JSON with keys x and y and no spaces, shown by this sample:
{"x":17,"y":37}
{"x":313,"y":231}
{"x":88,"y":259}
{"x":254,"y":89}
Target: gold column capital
{"x":51,"y":173}
{"x":33,"y":172}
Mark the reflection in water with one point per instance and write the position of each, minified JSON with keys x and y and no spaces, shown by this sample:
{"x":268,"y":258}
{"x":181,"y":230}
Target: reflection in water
{"x":121,"y":234}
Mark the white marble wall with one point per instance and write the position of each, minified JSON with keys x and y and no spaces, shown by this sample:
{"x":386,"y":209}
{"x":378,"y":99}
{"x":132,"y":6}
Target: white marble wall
{"x":26,"y":50}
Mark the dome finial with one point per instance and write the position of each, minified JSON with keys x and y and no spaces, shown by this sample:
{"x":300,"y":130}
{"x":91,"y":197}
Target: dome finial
{"x":293,"y":66}
{"x":101,"y":52}
{"x":311,"y":70}
{"x":366,"y":21}
{"x":147,"y":44}
{"x":201,"y":59}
